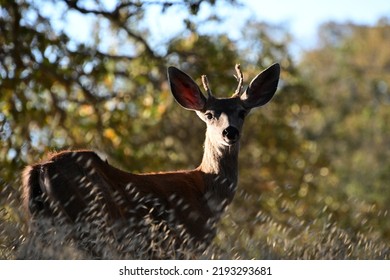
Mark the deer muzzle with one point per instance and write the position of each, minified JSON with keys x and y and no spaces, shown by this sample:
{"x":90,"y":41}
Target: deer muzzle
{"x":231,"y":135}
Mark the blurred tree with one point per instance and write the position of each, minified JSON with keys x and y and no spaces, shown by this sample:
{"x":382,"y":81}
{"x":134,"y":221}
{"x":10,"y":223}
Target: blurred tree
{"x":350,"y":73}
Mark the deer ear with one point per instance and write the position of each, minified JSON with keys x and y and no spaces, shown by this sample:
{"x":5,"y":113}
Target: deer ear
{"x":185,"y":90}
{"x":262,"y":88}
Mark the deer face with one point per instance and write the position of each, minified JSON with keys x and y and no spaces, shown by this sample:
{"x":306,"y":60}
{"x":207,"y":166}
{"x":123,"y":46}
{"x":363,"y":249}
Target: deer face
{"x":224,"y":117}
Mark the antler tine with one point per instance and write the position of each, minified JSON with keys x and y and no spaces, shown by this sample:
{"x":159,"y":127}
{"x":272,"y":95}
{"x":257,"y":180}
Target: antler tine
{"x":206,"y":86}
{"x":240,"y":79}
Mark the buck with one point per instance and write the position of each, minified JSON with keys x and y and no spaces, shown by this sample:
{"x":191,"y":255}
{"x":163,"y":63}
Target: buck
{"x":76,"y":184}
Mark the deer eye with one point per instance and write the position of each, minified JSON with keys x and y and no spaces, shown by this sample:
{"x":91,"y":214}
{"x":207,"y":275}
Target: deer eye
{"x":209,"y":115}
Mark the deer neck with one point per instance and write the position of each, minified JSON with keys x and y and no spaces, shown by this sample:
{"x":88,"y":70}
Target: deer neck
{"x":220,"y":167}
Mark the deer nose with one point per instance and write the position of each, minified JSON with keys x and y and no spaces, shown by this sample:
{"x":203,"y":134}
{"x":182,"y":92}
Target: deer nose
{"x":231,"y":134}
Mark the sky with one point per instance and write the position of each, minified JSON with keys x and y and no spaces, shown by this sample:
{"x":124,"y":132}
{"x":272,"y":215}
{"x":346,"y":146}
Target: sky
{"x":301,"y":17}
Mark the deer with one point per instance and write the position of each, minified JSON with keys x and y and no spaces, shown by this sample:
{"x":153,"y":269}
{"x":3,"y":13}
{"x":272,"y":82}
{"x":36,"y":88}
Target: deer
{"x":74,"y":184}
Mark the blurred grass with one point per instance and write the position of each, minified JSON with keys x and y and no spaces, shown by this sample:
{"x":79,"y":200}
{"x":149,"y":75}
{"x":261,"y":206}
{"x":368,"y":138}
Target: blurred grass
{"x":258,"y":237}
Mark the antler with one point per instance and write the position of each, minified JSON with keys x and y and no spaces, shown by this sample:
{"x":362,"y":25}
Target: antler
{"x":206,"y":86}
{"x":240,"y":79}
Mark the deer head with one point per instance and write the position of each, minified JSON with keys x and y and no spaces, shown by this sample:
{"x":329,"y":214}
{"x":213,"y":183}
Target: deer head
{"x":224,"y":117}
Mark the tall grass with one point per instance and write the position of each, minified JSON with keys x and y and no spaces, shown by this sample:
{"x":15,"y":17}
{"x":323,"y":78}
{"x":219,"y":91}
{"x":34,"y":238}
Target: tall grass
{"x":261,"y":238}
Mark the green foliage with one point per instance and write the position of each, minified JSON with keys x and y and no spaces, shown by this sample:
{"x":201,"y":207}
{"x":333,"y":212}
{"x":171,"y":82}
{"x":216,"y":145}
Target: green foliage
{"x":314,"y":162}
{"x":350,"y":76}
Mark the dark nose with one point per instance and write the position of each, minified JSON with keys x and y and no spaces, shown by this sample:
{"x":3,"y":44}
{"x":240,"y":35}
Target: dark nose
{"x":231,"y":134}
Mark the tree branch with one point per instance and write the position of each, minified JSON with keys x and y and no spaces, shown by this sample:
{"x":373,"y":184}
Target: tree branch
{"x":115,"y":18}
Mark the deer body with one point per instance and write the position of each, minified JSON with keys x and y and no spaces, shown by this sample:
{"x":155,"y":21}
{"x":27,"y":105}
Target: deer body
{"x":74,"y":184}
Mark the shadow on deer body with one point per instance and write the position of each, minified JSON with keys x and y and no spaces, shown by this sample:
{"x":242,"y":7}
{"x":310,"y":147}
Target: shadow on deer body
{"x":167,"y":210}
